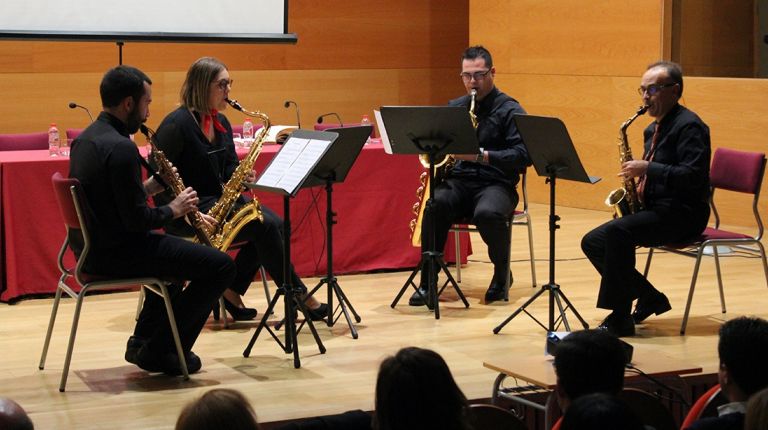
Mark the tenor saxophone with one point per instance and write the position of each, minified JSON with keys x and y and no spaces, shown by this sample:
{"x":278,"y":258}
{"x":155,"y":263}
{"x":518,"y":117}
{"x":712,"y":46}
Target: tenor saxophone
{"x":625,"y":200}
{"x":228,"y":226}
{"x":441,"y":169}
{"x":175,"y":184}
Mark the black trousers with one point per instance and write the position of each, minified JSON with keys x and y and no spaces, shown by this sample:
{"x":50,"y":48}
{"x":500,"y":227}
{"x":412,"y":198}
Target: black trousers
{"x":264,"y":247}
{"x":611,"y":249}
{"x":209,"y":271}
{"x":487,"y":205}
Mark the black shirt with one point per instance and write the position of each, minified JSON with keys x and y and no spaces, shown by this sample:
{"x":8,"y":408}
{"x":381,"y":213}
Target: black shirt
{"x":497,"y":134}
{"x":106,"y":162}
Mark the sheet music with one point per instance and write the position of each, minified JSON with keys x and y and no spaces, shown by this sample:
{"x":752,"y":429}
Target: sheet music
{"x":293,"y":163}
{"x":382,"y":132}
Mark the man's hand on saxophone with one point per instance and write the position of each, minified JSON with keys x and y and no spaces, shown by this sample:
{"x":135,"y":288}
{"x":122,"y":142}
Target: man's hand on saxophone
{"x":184,"y":203}
{"x":633,"y":168}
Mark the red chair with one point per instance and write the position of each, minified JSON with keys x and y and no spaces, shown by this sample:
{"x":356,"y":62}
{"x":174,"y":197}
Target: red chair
{"x":72,"y":133}
{"x":326,"y":125}
{"x":734,"y":171}
{"x":705,"y":406}
{"x":76,"y":213}
{"x":519,"y":217}
{"x":23,"y":142}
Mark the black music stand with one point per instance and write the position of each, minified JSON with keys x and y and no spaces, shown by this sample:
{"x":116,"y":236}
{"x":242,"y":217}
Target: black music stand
{"x":286,"y":174}
{"x":553,"y":155}
{"x":333,"y":167}
{"x":435,"y":132}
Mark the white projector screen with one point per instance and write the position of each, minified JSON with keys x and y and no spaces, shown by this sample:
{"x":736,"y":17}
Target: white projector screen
{"x":228,"y":21}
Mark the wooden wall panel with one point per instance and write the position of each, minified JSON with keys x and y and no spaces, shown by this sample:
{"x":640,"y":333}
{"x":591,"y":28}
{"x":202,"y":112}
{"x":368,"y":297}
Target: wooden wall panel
{"x":582,"y":37}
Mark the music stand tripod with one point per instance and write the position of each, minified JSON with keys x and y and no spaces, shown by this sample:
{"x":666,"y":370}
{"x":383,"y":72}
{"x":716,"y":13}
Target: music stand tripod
{"x":553,"y":156}
{"x":436,"y":132}
{"x":291,"y":296}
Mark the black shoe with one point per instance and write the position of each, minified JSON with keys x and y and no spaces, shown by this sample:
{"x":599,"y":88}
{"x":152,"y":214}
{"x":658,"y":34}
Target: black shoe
{"x":495,"y":293}
{"x":132,"y":348}
{"x":419,"y":299}
{"x":238,"y":313}
{"x":657,"y":304}
{"x":319,"y":313}
{"x":167,"y":362}
{"x":618,"y":325}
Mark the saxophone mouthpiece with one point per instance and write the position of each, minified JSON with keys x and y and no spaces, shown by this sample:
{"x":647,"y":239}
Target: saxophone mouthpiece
{"x":642,"y":109}
{"x":234,"y":104}
{"x":144,"y":130}
{"x":473,"y":92}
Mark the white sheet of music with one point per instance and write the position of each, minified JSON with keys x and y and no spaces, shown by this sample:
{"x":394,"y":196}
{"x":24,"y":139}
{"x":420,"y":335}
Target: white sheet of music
{"x":383,"y":132}
{"x":293,"y":163}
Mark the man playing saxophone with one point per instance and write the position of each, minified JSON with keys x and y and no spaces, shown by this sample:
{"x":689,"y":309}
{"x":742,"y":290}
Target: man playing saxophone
{"x":481,"y":187}
{"x":197,"y":139}
{"x":673,"y":188}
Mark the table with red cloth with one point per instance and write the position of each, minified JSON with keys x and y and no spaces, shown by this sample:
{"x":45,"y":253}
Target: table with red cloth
{"x":373,"y":206}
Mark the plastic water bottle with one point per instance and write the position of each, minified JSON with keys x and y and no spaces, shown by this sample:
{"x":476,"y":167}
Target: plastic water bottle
{"x":53,"y":141}
{"x":366,"y":121}
{"x":247,"y":132}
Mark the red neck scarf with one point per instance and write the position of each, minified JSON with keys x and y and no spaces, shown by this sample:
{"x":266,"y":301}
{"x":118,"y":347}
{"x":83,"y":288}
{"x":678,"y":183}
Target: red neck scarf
{"x":213,"y":116}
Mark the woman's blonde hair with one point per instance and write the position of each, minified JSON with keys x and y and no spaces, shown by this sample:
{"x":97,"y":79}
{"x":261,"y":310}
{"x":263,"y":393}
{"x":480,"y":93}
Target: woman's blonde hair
{"x":194,"y":91}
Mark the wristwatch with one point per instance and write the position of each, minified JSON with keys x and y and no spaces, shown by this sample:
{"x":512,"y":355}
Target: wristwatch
{"x":480,"y":156}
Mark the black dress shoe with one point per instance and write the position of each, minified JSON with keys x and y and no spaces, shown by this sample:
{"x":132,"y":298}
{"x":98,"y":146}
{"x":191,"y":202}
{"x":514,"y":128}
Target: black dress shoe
{"x":238,"y":313}
{"x":495,"y":293}
{"x":419,"y":299}
{"x":132,"y":348}
{"x":167,"y":362}
{"x":657,"y":304}
{"x":319,"y":313}
{"x":618,"y":325}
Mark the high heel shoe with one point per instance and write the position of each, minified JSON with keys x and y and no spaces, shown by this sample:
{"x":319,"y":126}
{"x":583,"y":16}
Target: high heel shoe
{"x":238,"y":313}
{"x":319,"y":313}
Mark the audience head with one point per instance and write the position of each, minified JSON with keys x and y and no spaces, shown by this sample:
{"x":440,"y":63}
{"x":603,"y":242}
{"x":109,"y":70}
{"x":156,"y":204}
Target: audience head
{"x":13,"y":416}
{"x":126,"y":93}
{"x":743,"y":351}
{"x":586,"y":362}
{"x":757,"y":411}
{"x":218,"y":409}
{"x":204,"y":77}
{"x":415,"y":390}
{"x":598,"y":411}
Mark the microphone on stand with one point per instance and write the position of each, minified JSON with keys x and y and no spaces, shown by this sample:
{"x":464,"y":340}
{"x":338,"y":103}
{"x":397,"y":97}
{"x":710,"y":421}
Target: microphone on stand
{"x":320,"y":118}
{"x":73,"y":105}
{"x":298,"y":112}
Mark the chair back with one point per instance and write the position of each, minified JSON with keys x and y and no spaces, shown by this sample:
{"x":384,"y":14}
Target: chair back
{"x":72,"y":133}
{"x":705,"y":406}
{"x":648,"y":408}
{"x":63,"y":189}
{"x":22,"y":142}
{"x":749,"y":165}
{"x":326,"y":125}
{"x":493,"y":417}
{"x":76,"y":214}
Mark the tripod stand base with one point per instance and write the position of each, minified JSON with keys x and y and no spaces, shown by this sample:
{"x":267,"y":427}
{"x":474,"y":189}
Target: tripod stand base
{"x":344,"y":304}
{"x":431,"y":259}
{"x":556,"y":296}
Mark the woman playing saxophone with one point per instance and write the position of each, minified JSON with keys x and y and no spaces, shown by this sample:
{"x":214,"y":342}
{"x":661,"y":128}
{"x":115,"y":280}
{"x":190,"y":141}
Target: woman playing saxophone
{"x":197,"y":139}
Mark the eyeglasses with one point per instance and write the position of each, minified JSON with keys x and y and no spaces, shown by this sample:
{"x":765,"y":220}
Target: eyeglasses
{"x":654,"y":89}
{"x":478,"y":76}
{"x":224,"y":83}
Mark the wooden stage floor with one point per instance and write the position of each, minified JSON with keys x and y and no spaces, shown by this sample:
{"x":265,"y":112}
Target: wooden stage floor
{"x":106,"y":392}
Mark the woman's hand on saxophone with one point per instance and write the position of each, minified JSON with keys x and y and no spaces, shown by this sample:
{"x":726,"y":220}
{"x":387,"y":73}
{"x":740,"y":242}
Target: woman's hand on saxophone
{"x":633,"y":168}
{"x":184,"y":203}
{"x":209,"y":221}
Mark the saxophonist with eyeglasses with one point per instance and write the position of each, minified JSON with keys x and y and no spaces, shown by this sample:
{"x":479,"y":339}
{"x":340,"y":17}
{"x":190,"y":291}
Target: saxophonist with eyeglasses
{"x":197,"y":139}
{"x":672,"y":191}
{"x":481,"y":188}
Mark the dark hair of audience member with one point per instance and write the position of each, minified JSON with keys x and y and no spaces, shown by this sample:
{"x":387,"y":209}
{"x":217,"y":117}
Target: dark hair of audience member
{"x":13,"y":416}
{"x":218,"y":409}
{"x":598,"y":411}
{"x":416,"y":391}
{"x":590,"y":361}
{"x":743,"y":349}
{"x":757,"y":411}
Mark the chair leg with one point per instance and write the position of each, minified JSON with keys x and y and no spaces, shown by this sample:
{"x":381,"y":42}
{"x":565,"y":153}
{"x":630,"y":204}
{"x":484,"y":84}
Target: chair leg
{"x":140,"y":304}
{"x":457,"y":243}
{"x":648,"y":262}
{"x":530,"y":249}
{"x":690,"y":291}
{"x":51,"y":323}
{"x":71,"y":344}
{"x":174,"y":330}
{"x":223,"y":312}
{"x":719,"y":277}
{"x":264,"y":281}
{"x":508,"y":281}
{"x":765,"y":263}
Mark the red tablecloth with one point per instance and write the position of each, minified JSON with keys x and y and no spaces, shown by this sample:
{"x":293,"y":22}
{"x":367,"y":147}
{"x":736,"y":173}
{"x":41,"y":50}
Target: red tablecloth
{"x":373,"y":207}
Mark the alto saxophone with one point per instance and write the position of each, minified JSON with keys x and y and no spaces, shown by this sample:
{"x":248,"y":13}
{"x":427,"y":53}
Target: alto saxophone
{"x":444,"y":165}
{"x":228,"y":226}
{"x":625,"y":200}
{"x":175,"y":185}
